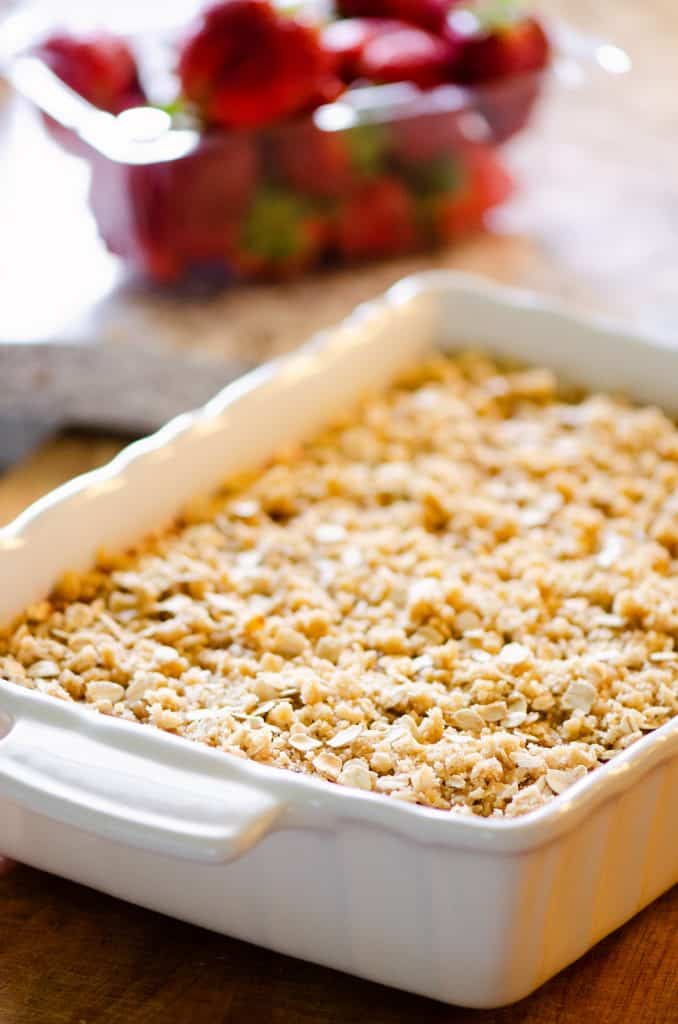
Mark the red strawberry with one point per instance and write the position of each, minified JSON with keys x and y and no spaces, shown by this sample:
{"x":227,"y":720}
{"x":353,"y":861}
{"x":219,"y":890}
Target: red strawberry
{"x":416,"y":141}
{"x":133,"y":207}
{"x":484,"y":184}
{"x":164,"y":218}
{"x":491,"y":49}
{"x":310,"y":160}
{"x":279,"y":236}
{"x":407,"y":55}
{"x":99,"y":67}
{"x":377,"y":220}
{"x":211,"y":189}
{"x":500,"y":53}
{"x":506,"y":104}
{"x":346,"y":39}
{"x":245,"y":64}
{"x":429,"y":14}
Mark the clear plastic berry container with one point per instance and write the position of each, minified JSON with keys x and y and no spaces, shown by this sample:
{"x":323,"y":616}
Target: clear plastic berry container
{"x":349,"y":182}
{"x":382,"y":171}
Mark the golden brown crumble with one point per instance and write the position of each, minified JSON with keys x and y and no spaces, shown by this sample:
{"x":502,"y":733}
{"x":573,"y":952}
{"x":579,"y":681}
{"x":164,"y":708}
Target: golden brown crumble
{"x":463,"y":596}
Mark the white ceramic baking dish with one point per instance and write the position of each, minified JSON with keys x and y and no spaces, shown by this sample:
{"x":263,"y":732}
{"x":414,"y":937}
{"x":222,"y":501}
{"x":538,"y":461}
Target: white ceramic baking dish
{"x":468,"y":911}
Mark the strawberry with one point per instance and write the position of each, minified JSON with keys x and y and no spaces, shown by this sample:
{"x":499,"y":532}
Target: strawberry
{"x":407,"y":55}
{"x":347,"y":38}
{"x":279,"y":236}
{"x":499,"y":53}
{"x":245,"y":65}
{"x":210,"y":190}
{"x":134,"y":210}
{"x":378,"y":219}
{"x":151,"y":243}
{"x":506,"y":104}
{"x":429,"y":152}
{"x":496,"y":43}
{"x":483,"y":184}
{"x":428,"y":14}
{"x":426,"y":138}
{"x":327,"y":164}
{"x":100,"y":67}
{"x":310,"y":160}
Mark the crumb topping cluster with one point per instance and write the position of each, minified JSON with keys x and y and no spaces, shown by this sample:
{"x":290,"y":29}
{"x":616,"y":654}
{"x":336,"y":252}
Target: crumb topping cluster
{"x":465,"y":596}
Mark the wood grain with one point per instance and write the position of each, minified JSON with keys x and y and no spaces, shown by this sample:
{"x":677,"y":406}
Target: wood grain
{"x":596,"y":223}
{"x":71,"y":956}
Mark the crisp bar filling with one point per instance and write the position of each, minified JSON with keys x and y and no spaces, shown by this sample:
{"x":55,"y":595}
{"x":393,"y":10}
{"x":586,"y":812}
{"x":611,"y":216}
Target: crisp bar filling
{"x":464,"y":596}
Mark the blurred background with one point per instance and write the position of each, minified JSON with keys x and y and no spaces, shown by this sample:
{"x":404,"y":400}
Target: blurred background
{"x":591,"y":216}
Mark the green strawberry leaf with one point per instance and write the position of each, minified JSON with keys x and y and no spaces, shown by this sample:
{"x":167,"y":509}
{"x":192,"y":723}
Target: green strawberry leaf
{"x":274,"y":226}
{"x":443,"y":174}
{"x":368,"y":148}
{"x":428,"y":205}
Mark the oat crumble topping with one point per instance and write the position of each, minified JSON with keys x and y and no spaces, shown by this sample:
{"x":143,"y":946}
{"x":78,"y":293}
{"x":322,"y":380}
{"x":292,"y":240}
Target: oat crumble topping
{"x":465,"y":595}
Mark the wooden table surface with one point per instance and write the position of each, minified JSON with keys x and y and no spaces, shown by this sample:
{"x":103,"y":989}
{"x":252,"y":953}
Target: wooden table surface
{"x":596,"y":223}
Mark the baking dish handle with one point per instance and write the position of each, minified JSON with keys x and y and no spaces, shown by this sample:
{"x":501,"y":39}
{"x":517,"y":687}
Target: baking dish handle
{"x":79,"y":779}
